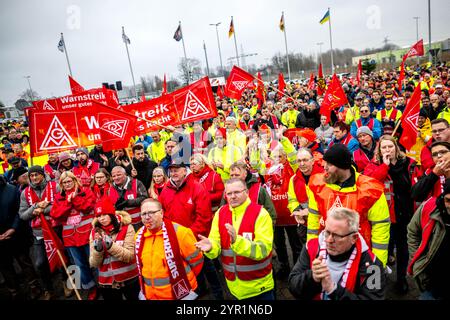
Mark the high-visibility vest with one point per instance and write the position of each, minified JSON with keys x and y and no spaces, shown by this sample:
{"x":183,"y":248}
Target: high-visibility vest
{"x":130,"y":194}
{"x":112,"y":269}
{"x":238,"y":266}
{"x":364,"y":196}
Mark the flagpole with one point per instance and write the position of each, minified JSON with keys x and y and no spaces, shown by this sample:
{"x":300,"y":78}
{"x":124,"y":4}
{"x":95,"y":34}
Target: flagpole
{"x":331,"y":41}
{"x":284,"y":94}
{"x":235,"y":43}
{"x":67,"y":56}
{"x":129,"y":62}
{"x":285,"y":42}
{"x":184,"y":51}
{"x":206,"y":57}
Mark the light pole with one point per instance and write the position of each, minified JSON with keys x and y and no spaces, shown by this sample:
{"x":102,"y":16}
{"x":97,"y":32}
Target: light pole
{"x":417,"y":32}
{"x":29,"y":84}
{"x":320,"y":51}
{"x":429,"y":32}
{"x":218,"y":43}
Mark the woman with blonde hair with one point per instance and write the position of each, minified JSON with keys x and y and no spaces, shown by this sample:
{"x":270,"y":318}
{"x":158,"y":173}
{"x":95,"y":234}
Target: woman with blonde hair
{"x":159,"y":179}
{"x":73,"y":206}
{"x":398,"y":173}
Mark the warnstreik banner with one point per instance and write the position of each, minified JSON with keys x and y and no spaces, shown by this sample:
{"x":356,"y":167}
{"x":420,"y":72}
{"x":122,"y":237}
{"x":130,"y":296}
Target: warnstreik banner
{"x":188,"y":104}
{"x":84,"y":99}
{"x":68,"y":129}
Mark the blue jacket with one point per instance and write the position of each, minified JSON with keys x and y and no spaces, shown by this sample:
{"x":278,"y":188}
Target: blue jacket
{"x":377,"y":129}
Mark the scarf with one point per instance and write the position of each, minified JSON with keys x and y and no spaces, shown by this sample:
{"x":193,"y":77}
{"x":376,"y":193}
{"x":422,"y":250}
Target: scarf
{"x":108,"y":229}
{"x":348,"y":279}
{"x":101,"y":191}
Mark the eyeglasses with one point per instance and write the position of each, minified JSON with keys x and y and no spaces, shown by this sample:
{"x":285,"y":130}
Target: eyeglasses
{"x":67,"y":182}
{"x":100,"y":177}
{"x":334,"y":236}
{"x":364,"y":111}
{"x":303,"y":160}
{"x":146,"y":214}
{"x":234,"y":193}
{"x":437,"y":131}
{"x":439,"y":153}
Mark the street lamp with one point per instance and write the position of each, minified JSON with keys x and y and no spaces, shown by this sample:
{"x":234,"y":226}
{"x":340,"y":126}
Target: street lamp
{"x":31,"y":90}
{"x":218,"y":43}
{"x":320,"y":51}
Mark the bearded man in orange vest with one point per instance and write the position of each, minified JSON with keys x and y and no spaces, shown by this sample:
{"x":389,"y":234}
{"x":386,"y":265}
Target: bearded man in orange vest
{"x":342,"y":186}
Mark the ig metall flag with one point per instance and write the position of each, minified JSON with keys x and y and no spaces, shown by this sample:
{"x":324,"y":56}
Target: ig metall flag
{"x":61,"y":44}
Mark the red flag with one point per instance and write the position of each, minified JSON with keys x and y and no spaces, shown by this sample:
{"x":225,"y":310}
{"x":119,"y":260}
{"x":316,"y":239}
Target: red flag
{"x":164,"y":86}
{"x":311,"y":83}
{"x":191,"y":103}
{"x":79,"y":100}
{"x":219,"y":92}
{"x":334,"y":97}
{"x":359,"y":73}
{"x":69,"y":129}
{"x":416,"y":50}
{"x":409,"y":119}
{"x":143,"y":96}
{"x":401,"y":77}
{"x":75,"y":86}
{"x":260,"y":90}
{"x":237,"y":82}
{"x":321,"y":85}
{"x":281,"y":84}
{"x":52,"y":245}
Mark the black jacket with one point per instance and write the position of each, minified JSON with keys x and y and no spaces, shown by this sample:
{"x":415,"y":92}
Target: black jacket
{"x":95,"y":155}
{"x":422,"y":189}
{"x":302,"y":285}
{"x":144,"y":170}
{"x":401,"y":174}
{"x":308,"y":119}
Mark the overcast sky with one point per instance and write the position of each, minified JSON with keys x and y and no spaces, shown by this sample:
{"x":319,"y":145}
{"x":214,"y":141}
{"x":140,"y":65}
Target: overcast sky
{"x":30,"y":31}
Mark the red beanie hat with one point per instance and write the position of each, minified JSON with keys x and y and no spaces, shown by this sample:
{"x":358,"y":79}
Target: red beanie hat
{"x":308,"y":134}
{"x":222,"y":132}
{"x":104,"y":206}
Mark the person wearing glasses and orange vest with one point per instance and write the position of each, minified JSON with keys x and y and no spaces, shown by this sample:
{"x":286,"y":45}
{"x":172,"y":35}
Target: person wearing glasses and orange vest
{"x":242,"y":235}
{"x":338,"y":265}
{"x":167,"y":259}
{"x":112,"y":252}
{"x":342,"y":186}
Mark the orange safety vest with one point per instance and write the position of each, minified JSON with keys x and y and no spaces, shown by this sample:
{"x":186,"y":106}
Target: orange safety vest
{"x":238,"y":266}
{"x":112,"y":269}
{"x":367,"y":192}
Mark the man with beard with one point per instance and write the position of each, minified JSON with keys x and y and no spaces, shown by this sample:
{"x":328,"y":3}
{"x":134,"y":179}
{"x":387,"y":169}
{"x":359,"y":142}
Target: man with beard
{"x":86,"y":168}
{"x":429,"y":246}
{"x":143,"y":166}
{"x":52,"y":166}
{"x":342,"y":186}
{"x":364,"y":154}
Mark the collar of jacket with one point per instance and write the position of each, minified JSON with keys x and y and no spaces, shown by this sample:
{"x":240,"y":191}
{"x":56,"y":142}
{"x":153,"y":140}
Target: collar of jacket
{"x":348,"y":185}
{"x":126,"y":185}
{"x":40,"y":186}
{"x":240,"y":210}
{"x":172,"y":185}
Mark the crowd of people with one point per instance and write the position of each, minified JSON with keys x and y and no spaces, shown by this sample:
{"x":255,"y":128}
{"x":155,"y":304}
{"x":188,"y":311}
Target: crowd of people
{"x":206,"y":207}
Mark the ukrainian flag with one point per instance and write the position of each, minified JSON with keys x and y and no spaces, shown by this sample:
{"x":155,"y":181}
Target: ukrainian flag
{"x":326,"y":17}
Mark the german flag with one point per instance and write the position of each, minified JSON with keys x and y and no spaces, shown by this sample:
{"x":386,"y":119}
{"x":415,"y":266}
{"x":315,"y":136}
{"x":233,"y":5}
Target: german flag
{"x":282,"y":22}
{"x":231,"y":31}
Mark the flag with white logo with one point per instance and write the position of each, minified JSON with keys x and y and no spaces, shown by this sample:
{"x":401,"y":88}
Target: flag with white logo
{"x":61,"y":44}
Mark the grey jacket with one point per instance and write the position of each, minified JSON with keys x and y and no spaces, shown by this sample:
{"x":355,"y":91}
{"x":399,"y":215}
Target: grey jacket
{"x":26,"y":211}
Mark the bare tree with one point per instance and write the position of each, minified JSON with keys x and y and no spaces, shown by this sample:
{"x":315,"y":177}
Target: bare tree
{"x":29,"y":95}
{"x":190,"y":70}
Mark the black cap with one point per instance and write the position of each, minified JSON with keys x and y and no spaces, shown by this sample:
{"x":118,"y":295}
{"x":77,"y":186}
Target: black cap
{"x":18,"y":172}
{"x":37,"y":169}
{"x":178,"y":163}
{"x":339,"y":156}
{"x":14,"y":160}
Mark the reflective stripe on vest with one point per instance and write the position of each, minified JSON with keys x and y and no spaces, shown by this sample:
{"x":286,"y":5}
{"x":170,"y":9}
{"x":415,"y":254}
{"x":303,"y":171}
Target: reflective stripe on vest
{"x":115,"y":272}
{"x":160,"y":282}
{"x":235,"y":265}
{"x":82,"y":223}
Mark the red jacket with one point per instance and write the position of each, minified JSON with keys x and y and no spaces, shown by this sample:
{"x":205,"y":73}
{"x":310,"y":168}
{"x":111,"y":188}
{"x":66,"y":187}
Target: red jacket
{"x":188,"y":205}
{"x":426,"y":160}
{"x":212,"y":182}
{"x":76,"y":216}
{"x":86,"y":173}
